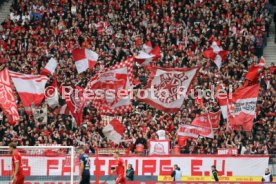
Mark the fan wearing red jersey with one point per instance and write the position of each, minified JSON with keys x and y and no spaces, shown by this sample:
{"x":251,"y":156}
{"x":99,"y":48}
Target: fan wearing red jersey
{"x":17,"y":171}
{"x":120,"y":169}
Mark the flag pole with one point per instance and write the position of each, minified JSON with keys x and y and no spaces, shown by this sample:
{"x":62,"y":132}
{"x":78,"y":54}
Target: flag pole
{"x":97,"y":177}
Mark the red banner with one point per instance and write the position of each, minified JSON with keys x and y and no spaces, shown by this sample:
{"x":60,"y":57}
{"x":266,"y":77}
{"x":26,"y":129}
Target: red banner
{"x":7,"y":99}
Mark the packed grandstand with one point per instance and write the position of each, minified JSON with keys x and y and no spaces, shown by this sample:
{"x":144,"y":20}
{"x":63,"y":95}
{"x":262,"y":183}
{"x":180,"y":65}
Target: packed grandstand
{"x":146,"y":34}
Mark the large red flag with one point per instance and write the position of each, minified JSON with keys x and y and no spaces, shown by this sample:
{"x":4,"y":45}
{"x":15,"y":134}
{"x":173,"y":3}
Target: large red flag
{"x":242,"y":107}
{"x":167,"y":87}
{"x":7,"y":99}
{"x":109,"y":89}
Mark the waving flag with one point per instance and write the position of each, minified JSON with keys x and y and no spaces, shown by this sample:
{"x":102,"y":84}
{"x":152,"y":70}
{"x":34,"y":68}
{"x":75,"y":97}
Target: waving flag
{"x":195,"y":131}
{"x":262,"y":62}
{"x":84,"y":59}
{"x":242,"y":107}
{"x":50,"y":67}
{"x":167,"y":87}
{"x":207,"y":120}
{"x":7,"y":99}
{"x":202,"y":120}
{"x":105,"y":87}
{"x":216,"y":53}
{"x":51,"y":94}
{"x":114,"y":131}
{"x":144,"y":58}
{"x":253,"y":73}
{"x":222,"y":100}
{"x":74,"y":102}
{"x":147,"y":47}
{"x":105,"y":119}
{"x":30,"y":88}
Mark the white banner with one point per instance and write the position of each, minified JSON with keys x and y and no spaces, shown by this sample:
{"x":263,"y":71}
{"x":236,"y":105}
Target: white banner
{"x":153,"y":165}
{"x":159,"y":147}
{"x":194,"y":131}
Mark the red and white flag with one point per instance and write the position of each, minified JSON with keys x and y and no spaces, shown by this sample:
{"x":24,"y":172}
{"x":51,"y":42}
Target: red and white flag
{"x":202,"y":120}
{"x":195,"y":131}
{"x":74,"y":101}
{"x":105,"y":119}
{"x":144,"y":58}
{"x":50,"y":67}
{"x":30,"y":88}
{"x":147,"y":47}
{"x":51,"y":94}
{"x":262,"y":62}
{"x":109,"y":89}
{"x":84,"y":59}
{"x":254,"y":71}
{"x":222,"y":100}
{"x":167,"y":87}
{"x":114,"y":131}
{"x":207,"y":120}
{"x":242,"y":107}
{"x":216,"y":53}
{"x":223,"y":107}
{"x":7,"y":99}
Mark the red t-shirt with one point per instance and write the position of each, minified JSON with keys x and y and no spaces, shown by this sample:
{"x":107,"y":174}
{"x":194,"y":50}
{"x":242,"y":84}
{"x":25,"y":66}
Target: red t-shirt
{"x":16,"y":157}
{"x":120,"y":167}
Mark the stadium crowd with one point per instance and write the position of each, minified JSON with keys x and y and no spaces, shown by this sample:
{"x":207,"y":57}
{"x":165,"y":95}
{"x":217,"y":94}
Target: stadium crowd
{"x":37,"y":30}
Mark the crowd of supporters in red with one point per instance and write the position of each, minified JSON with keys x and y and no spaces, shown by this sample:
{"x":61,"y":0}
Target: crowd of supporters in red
{"x":38,"y":30}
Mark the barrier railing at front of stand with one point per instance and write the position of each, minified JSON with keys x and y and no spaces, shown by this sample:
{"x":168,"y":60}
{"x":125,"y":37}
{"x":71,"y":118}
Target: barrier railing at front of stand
{"x":173,"y":152}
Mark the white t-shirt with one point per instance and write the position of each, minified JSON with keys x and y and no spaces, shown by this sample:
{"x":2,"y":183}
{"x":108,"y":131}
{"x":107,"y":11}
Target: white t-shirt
{"x":161,"y":134}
